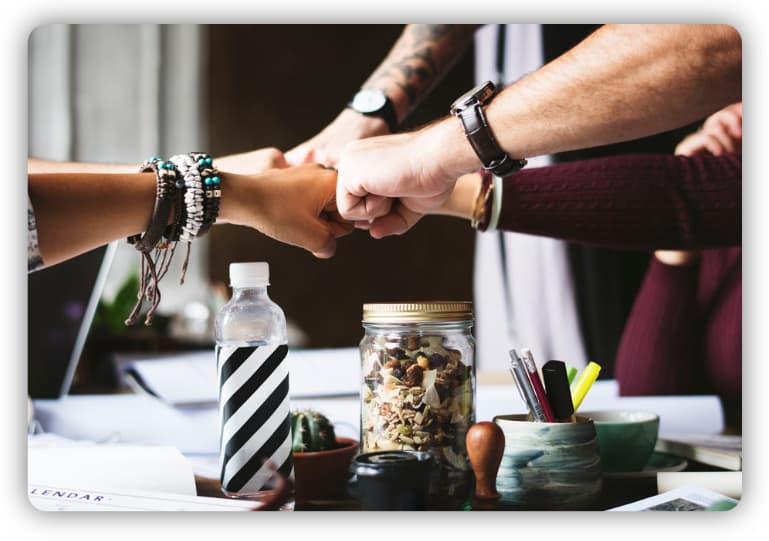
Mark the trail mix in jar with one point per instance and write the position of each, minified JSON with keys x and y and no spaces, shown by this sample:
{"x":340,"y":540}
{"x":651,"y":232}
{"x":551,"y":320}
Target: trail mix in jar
{"x":417,"y":395}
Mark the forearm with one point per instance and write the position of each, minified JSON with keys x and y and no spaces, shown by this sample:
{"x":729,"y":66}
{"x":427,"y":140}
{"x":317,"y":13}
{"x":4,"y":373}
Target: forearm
{"x":423,"y":54}
{"x":621,"y":83}
{"x":76,"y":212}
{"x":640,"y":201}
{"x":36,"y":165}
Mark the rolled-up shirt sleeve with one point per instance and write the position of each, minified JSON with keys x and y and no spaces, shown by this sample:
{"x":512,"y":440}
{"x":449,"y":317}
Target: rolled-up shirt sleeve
{"x":34,"y":261}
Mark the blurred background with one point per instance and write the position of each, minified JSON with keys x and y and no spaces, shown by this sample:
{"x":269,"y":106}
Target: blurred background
{"x":123,"y":93}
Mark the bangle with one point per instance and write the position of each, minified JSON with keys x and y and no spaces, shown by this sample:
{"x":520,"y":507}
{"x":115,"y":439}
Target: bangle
{"x":496,"y":203}
{"x":482,"y":201}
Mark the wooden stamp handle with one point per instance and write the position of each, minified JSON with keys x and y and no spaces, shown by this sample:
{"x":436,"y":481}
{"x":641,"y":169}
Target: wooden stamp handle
{"x":485,"y":446}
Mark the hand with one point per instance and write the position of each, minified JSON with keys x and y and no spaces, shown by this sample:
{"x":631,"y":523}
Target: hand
{"x":327,"y":146}
{"x":721,"y":132}
{"x":677,"y":258}
{"x":255,"y":161}
{"x":374,"y":171}
{"x":295,"y":205}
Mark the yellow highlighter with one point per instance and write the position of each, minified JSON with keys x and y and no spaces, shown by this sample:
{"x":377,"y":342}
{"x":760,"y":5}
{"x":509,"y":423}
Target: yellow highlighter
{"x":583,"y":383}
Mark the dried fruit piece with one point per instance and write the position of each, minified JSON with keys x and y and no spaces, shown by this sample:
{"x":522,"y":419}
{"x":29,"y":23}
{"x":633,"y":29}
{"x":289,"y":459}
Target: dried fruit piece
{"x":413,"y":376}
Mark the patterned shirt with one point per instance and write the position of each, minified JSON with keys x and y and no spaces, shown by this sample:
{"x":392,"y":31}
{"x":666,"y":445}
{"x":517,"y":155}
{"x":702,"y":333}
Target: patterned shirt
{"x":34,"y":261}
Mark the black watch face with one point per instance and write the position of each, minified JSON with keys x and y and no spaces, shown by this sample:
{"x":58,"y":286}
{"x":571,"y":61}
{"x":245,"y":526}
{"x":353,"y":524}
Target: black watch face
{"x":478,"y":94}
{"x":369,"y":101}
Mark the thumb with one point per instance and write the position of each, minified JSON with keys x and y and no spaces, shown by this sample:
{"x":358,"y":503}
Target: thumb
{"x":300,"y":155}
{"x":397,"y":222}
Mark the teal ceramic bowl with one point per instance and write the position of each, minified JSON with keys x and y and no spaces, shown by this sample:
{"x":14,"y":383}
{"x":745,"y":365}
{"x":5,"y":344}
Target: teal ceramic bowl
{"x":548,"y":465}
{"x":626,"y":438}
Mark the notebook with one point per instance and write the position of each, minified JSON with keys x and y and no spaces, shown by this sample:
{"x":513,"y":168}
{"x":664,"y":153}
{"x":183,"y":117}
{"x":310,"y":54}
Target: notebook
{"x":62,"y":301}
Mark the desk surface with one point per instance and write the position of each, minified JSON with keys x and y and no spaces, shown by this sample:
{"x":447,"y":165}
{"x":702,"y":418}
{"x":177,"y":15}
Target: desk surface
{"x":194,"y":429}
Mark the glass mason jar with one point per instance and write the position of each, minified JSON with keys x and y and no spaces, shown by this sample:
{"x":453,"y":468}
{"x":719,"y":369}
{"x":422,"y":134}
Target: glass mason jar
{"x":418,"y":388}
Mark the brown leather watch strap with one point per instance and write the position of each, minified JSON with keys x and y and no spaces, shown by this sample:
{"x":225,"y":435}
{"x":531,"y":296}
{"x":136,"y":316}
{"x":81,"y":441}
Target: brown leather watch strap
{"x":479,"y":135}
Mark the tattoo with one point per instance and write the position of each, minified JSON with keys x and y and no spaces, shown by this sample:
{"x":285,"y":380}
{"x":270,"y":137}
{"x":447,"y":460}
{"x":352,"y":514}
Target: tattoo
{"x":422,"y":55}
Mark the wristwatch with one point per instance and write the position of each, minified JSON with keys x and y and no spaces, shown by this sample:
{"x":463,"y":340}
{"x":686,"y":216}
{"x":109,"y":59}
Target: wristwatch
{"x":374,"y":102}
{"x":468,"y":108}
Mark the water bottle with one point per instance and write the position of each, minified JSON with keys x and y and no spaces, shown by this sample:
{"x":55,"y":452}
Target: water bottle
{"x":254,"y":411}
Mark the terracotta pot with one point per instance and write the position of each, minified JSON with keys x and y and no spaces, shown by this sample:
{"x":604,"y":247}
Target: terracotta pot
{"x":323,"y":475}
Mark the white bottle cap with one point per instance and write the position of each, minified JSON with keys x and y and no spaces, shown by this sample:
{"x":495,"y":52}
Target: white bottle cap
{"x":249,"y":274}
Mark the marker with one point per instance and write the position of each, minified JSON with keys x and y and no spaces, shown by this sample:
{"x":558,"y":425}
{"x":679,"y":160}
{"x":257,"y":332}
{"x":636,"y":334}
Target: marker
{"x":522,"y":378}
{"x":583,"y":383}
{"x":558,"y":393}
{"x":571,"y":373}
{"x":531,"y":368}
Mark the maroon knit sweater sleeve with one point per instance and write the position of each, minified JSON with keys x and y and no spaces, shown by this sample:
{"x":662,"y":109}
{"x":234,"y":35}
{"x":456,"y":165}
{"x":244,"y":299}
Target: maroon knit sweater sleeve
{"x":660,"y":351}
{"x":635,"y":201}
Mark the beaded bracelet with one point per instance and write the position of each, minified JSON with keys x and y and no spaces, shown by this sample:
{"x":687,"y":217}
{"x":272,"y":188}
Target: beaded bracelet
{"x":198,"y":171}
{"x":193,"y":198}
{"x":213,"y":192}
{"x":188,"y":185}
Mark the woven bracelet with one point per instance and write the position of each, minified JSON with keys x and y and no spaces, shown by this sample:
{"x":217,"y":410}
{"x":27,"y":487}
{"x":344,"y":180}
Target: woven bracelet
{"x":165,"y":174}
{"x":153,"y":268}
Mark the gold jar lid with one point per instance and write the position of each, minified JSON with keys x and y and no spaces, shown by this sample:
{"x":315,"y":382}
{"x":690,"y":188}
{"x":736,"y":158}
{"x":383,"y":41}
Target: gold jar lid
{"x":414,"y":312}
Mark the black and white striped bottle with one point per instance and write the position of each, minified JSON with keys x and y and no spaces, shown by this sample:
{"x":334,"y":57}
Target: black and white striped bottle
{"x":254,"y":410}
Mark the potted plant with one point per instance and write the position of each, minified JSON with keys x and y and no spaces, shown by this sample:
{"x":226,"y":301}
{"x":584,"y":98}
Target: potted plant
{"x":321,"y":459}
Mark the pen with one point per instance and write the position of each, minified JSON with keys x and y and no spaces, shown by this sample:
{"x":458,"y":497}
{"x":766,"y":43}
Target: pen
{"x":536,"y":383}
{"x":583,"y":383}
{"x":558,"y":393}
{"x":522,"y":378}
{"x":571,"y":373}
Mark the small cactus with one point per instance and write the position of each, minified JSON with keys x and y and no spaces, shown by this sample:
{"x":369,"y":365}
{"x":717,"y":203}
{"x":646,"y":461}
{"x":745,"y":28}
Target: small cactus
{"x":311,"y":431}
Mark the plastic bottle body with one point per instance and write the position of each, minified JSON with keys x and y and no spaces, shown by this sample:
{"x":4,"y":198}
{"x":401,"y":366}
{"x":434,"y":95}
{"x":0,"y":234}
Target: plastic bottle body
{"x":254,"y":410}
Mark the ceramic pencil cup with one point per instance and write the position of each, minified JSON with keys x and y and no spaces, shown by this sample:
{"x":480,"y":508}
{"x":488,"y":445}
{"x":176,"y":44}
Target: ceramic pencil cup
{"x":548,"y":466}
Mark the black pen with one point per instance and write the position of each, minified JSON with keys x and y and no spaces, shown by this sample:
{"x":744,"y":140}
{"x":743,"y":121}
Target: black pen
{"x":558,"y":391}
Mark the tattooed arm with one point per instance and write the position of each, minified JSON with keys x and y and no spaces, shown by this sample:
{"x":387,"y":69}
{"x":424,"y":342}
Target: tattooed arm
{"x":420,"y":58}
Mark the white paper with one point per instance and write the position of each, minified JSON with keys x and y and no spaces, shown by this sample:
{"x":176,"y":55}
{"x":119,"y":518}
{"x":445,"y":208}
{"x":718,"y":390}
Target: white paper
{"x":131,"y":418}
{"x":186,"y":379}
{"x":60,"y":498}
{"x":195,"y":430}
{"x":689,"y":498}
{"x":728,"y":483}
{"x":110,"y":467}
{"x":324,"y":373}
{"x":190,"y":378}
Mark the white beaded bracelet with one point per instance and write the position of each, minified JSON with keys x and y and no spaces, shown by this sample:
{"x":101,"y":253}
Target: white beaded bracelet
{"x":187,"y":165}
